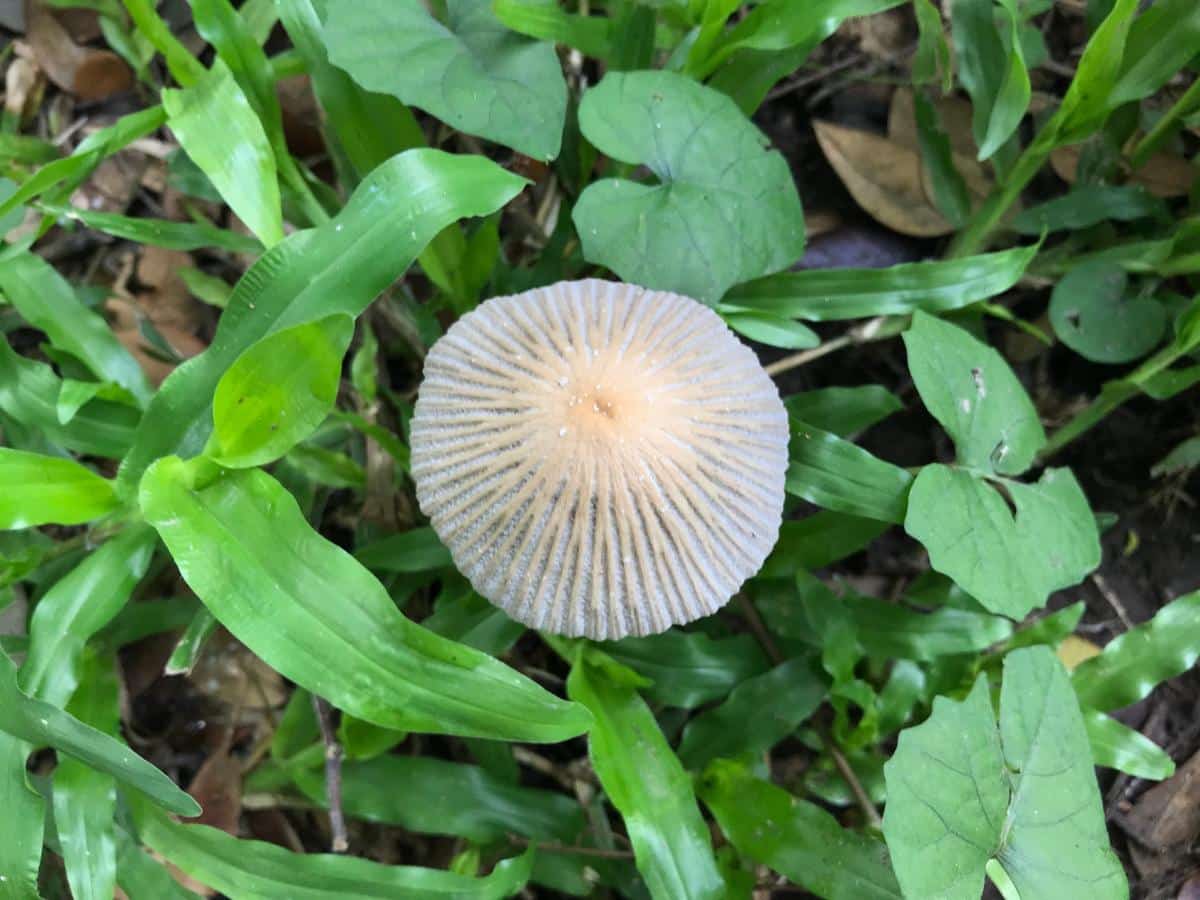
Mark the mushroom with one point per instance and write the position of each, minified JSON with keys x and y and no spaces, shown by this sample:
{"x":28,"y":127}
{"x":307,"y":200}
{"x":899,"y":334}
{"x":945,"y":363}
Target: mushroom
{"x":599,"y":458}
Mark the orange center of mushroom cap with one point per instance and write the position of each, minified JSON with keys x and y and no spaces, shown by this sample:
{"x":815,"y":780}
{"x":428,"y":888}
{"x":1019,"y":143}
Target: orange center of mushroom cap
{"x":594,"y":410}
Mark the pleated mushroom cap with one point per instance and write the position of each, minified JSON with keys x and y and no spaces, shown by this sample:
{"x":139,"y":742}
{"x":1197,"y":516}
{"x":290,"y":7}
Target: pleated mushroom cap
{"x":600,"y":459}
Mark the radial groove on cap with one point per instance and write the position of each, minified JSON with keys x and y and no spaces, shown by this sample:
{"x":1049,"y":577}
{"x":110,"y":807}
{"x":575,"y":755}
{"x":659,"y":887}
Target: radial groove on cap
{"x":600,"y":459}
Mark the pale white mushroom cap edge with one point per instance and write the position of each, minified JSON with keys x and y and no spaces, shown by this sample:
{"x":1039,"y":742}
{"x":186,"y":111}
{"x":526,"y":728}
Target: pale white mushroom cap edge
{"x":600,"y":459}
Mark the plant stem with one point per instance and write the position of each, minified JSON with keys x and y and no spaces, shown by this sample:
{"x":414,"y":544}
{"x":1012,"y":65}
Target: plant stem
{"x":978,"y":231}
{"x":1189,"y":101}
{"x":339,"y":843}
{"x":754,"y":620}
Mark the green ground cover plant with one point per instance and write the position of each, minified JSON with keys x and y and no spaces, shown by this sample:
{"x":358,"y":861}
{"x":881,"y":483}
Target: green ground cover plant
{"x":250,"y":500}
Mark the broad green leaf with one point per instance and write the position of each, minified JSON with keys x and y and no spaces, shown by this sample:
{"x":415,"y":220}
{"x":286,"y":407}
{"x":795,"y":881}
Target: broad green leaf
{"x":821,"y":295}
{"x":689,"y":668}
{"x":549,"y":22}
{"x":844,"y":411}
{"x":1090,"y":204}
{"x":787,"y":33}
{"x":757,"y":714}
{"x":39,"y":490}
{"x":24,"y":818}
{"x":768,"y":329}
{"x":417,"y":550}
{"x":932,"y":61}
{"x":434,"y":796}
{"x":882,"y":630}
{"x":217,"y":127}
{"x":255,"y":870}
{"x":244,"y":547}
{"x":42,"y":725}
{"x":366,"y":129}
{"x":890,"y":631}
{"x":47,"y":302}
{"x":1161,"y":41}
{"x":24,"y":149}
{"x":191,"y":643}
{"x":1011,"y":99}
{"x":238,"y":48}
{"x":207,"y":288}
{"x":985,"y":67}
{"x":962,"y":792}
{"x":1010,"y":564}
{"x":1133,"y":663}
{"x":648,"y":786}
{"x":725,"y":209}
{"x":464,"y":616}
{"x":818,"y":540}
{"x":1185,"y":455}
{"x":780,"y":25}
{"x":339,"y":267}
{"x":159,"y":232}
{"x":946,"y":184}
{"x":470,"y":71}
{"x":836,"y":474}
{"x":73,"y":395}
{"x":972,"y":392}
{"x":85,"y":800}
{"x":327,"y":467}
{"x":184,"y":67}
{"x":1118,"y":746}
{"x":1089,"y":98}
{"x":278,"y":391}
{"x":1093,"y":314}
{"x":141,"y":875}
{"x":796,"y":838}
{"x":76,"y":607}
{"x":362,"y":740}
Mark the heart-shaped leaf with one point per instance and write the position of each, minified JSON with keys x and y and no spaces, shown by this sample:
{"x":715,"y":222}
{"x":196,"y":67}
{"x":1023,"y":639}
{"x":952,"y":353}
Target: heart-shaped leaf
{"x":975,"y":396}
{"x":726,"y":209}
{"x":1009,"y":563}
{"x":962,"y":792}
{"x":1092,"y":314}
{"x":470,"y":71}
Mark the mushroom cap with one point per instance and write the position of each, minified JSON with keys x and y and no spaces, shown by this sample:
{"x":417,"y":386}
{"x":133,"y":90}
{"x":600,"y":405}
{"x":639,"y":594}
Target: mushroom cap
{"x":600,"y":459}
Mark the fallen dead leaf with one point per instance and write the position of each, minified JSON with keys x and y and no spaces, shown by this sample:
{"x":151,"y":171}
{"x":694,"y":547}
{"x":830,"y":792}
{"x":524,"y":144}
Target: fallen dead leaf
{"x":23,"y":87}
{"x":217,"y":787}
{"x":126,"y":316}
{"x":111,"y":187}
{"x":884,"y":178}
{"x":87,"y":73}
{"x":1074,"y":650}
{"x":1164,"y":174}
{"x":1168,"y":815}
{"x":229,"y":672}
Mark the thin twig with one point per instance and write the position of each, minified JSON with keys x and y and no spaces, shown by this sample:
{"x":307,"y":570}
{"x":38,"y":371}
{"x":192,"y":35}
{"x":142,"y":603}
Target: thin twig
{"x":340,"y":843}
{"x":873,"y":330}
{"x":1113,"y":600}
{"x":754,"y":619}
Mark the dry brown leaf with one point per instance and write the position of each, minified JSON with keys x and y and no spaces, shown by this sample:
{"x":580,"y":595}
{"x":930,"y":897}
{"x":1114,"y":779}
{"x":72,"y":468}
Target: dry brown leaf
{"x":88,"y":74}
{"x":23,"y":87}
{"x":884,"y":178}
{"x":229,"y":672}
{"x":1074,"y":650}
{"x":217,"y":787}
{"x":1168,"y":815}
{"x":1164,"y":174}
{"x":125,"y":316}
{"x":112,"y":186}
